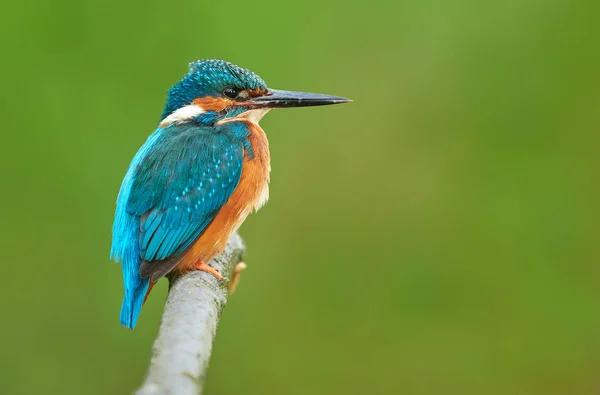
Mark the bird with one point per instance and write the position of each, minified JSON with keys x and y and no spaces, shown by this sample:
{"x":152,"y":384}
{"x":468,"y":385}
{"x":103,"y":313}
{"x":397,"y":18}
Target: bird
{"x":197,"y":177}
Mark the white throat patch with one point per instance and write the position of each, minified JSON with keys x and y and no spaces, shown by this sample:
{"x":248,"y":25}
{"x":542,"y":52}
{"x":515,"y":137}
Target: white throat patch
{"x":253,"y":116}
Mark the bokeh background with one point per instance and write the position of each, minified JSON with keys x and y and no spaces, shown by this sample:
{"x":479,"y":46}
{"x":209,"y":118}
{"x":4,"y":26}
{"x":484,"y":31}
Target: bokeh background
{"x":439,"y":235}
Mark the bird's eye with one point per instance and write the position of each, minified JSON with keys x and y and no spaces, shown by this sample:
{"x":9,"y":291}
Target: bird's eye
{"x":231,"y":92}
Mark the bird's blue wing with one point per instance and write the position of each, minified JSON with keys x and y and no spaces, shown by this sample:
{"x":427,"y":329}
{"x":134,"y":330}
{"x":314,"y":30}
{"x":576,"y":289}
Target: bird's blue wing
{"x":178,"y":189}
{"x":173,"y":189}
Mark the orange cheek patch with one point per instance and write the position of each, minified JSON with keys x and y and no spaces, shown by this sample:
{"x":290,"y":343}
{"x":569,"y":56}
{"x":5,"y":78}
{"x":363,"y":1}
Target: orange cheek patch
{"x":210,"y":103}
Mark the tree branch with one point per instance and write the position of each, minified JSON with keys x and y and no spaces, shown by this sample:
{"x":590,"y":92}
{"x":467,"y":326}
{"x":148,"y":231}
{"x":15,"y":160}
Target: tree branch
{"x":182,"y":349}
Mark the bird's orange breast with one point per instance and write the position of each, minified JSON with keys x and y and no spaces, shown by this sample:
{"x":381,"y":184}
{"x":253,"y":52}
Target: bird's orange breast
{"x":250,"y":194}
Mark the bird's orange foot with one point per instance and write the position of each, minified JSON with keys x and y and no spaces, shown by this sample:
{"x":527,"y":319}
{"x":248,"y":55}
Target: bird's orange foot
{"x":236,"y":277}
{"x":200,"y":265}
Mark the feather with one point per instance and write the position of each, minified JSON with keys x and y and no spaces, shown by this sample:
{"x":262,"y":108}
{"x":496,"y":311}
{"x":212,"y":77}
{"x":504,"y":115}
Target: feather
{"x":173,"y":189}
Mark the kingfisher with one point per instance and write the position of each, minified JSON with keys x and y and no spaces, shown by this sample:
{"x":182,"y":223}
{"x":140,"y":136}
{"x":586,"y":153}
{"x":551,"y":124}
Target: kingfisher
{"x":197,"y":177}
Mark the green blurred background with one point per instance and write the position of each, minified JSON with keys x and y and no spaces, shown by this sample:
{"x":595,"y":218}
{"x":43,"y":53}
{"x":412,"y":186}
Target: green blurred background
{"x":437,"y":236}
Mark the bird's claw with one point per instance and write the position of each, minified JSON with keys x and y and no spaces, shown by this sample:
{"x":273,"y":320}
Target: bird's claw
{"x":200,"y":265}
{"x":235,"y":278}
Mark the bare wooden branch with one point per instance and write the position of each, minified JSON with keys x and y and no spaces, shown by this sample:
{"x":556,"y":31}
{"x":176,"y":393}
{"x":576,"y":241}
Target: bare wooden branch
{"x":181,"y":351}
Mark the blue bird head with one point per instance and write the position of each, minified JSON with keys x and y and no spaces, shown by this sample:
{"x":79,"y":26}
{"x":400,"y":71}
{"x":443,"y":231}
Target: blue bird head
{"x":221,"y":90}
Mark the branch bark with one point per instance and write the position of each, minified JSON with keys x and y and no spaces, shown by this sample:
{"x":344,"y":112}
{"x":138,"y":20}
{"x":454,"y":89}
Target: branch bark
{"x":182,"y":350}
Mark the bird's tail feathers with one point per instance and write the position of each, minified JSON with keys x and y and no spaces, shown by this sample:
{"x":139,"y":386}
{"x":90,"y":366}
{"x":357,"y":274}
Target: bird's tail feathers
{"x":132,"y":303}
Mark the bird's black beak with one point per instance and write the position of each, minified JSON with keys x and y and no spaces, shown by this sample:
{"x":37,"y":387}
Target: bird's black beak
{"x":275,"y":98}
